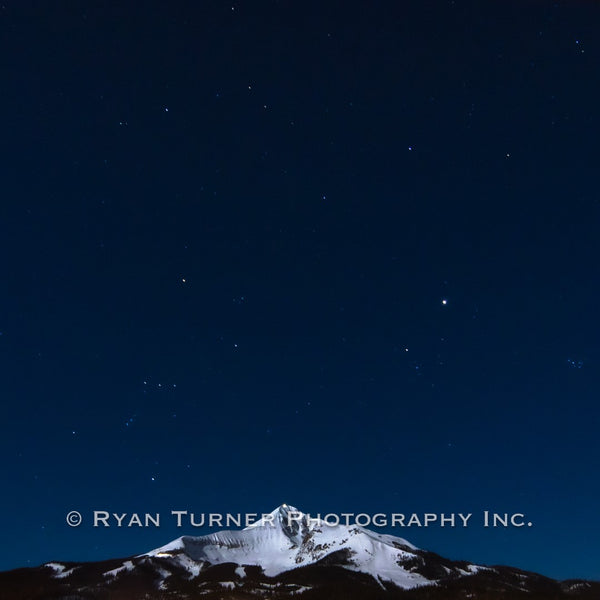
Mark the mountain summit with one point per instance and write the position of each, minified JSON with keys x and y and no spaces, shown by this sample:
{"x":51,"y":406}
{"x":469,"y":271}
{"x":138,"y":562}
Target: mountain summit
{"x":293,"y":523}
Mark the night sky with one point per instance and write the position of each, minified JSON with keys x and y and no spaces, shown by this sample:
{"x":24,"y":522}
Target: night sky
{"x":343,"y":255}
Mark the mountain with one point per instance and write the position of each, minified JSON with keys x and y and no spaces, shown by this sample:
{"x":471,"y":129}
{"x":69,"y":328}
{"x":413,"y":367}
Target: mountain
{"x":286,"y":555}
{"x":285,"y":539}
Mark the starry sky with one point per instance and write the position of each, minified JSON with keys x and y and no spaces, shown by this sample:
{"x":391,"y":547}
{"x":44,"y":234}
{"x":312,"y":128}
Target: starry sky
{"x":337,"y":254}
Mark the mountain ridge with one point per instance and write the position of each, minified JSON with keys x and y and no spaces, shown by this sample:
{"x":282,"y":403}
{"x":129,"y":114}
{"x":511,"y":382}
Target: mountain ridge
{"x":283,"y":557}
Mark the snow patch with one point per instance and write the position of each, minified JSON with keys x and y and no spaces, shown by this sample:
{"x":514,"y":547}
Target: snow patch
{"x":58,"y":568}
{"x":240,"y":572}
{"x":60,"y":571}
{"x":126,"y":566}
{"x":191,"y":566}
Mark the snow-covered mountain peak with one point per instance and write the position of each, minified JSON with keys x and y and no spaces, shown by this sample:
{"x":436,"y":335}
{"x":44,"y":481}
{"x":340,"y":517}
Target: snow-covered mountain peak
{"x":286,"y":539}
{"x":293,"y":523}
{"x":280,"y":515}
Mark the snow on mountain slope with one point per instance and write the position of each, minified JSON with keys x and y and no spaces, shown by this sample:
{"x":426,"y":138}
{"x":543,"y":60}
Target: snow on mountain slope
{"x":277,"y":543}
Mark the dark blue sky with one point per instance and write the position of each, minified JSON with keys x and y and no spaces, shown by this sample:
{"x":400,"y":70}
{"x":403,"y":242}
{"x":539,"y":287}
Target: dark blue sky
{"x":227,"y":231}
